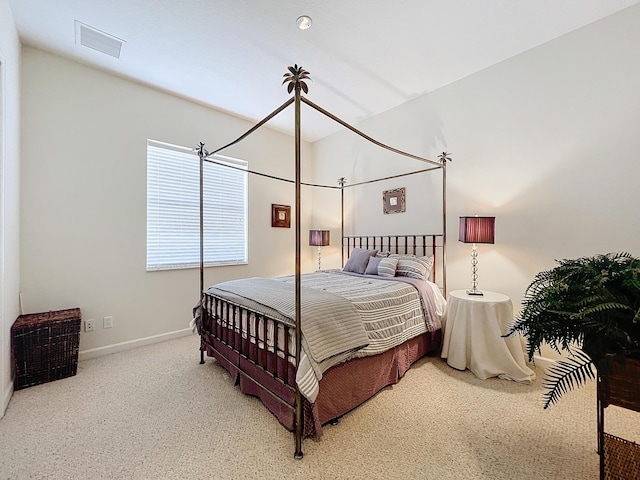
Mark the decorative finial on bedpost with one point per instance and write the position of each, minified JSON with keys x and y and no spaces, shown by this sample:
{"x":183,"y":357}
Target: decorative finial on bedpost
{"x":202,"y":152}
{"x":444,"y":157}
{"x":295,"y":79}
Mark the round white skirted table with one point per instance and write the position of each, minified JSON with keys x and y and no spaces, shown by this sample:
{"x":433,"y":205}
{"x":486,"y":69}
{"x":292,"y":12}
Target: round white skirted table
{"x":473,"y":328}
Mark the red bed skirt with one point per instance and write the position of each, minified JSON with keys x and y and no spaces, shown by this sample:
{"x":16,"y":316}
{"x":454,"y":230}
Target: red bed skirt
{"x":342,"y":388}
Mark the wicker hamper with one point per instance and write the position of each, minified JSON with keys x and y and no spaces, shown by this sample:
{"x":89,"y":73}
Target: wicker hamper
{"x":45,"y":346}
{"x":619,"y":457}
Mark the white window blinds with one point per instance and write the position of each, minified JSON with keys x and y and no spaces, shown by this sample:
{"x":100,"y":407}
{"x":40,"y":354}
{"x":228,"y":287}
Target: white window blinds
{"x":173,"y":209}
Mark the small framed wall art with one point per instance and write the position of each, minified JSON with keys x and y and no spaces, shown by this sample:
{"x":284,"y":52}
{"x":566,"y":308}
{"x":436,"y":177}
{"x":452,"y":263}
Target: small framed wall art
{"x":280,"y":216}
{"x":394,"y":201}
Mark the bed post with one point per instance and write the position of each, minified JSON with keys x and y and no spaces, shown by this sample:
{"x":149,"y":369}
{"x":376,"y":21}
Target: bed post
{"x":201,"y":154}
{"x":299,"y":423}
{"x":341,"y":182}
{"x":295,"y":79}
{"x":444,"y":158}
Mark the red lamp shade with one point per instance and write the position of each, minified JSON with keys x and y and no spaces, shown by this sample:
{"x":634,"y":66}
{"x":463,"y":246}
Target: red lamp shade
{"x":477,"y":229}
{"x":318,"y":238}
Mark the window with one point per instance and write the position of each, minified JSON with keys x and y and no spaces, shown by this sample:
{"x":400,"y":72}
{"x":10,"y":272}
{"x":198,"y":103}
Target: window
{"x":173,"y":209}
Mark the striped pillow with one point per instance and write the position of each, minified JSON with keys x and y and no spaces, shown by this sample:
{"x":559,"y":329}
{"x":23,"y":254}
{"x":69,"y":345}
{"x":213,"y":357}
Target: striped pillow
{"x":387,"y":267}
{"x":414,"y":267}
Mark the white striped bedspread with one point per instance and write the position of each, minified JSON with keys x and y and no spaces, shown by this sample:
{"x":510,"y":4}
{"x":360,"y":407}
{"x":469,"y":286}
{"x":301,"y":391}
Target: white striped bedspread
{"x":392,"y":310}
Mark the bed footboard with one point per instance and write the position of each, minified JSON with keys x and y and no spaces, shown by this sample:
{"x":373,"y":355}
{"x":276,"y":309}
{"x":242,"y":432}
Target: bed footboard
{"x":342,"y":388}
{"x":258,"y":348}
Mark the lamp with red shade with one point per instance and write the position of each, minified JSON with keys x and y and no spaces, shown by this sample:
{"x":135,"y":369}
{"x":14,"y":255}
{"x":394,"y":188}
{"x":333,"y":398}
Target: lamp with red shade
{"x":318,"y":238}
{"x":476,"y":230}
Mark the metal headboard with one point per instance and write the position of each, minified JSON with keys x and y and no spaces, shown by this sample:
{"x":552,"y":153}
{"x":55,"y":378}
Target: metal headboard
{"x":419,"y":245}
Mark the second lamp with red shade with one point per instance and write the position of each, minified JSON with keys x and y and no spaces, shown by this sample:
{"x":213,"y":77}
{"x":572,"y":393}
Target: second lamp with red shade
{"x":318,"y":238}
{"x":476,"y":230}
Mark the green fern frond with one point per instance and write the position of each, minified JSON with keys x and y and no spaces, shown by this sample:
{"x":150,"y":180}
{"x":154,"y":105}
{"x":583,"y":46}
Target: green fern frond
{"x":564,"y":375}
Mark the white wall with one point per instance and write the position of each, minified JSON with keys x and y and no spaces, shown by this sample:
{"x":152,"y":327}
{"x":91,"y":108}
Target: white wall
{"x":9,"y":193}
{"x":84,"y":198}
{"x":546,"y":141}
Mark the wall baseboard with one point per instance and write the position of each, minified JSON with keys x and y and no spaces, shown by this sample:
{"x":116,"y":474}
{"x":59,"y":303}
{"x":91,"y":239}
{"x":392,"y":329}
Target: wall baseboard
{"x":6,"y":400}
{"x":542,"y":362}
{"x":121,"y":347}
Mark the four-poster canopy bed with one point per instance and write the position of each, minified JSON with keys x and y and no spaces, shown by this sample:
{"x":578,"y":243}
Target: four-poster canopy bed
{"x":271,"y":334}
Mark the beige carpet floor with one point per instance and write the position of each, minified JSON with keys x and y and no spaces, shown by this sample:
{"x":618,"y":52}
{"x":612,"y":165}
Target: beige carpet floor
{"x":155,"y":413}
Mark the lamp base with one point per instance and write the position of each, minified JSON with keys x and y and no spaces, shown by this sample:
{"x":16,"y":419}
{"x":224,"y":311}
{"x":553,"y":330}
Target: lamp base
{"x":474,"y":292}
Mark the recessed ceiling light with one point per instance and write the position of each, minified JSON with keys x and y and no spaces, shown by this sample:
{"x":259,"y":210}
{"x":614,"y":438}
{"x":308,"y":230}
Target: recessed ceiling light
{"x":303,"y":22}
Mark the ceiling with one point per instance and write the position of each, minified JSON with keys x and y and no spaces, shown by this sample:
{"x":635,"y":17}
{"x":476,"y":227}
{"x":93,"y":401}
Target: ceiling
{"x":364,"y":56}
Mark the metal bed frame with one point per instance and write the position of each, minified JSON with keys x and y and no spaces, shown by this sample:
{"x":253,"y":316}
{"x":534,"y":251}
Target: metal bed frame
{"x":276,"y":365}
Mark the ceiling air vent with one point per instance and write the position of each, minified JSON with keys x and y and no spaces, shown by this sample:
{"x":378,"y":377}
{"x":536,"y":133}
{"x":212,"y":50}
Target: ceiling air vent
{"x":100,"y":41}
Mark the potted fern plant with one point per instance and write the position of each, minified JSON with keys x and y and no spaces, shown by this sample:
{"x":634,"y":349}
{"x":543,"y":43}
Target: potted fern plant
{"x":588,"y":308}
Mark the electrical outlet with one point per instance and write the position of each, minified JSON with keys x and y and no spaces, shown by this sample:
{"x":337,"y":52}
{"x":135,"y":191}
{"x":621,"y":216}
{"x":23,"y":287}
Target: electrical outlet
{"x":89,"y":325}
{"x":107,"y":322}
